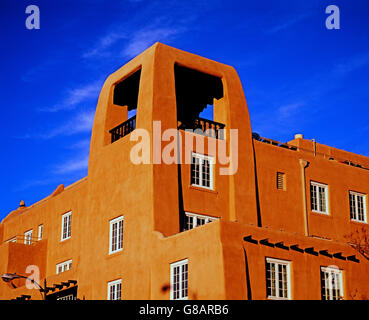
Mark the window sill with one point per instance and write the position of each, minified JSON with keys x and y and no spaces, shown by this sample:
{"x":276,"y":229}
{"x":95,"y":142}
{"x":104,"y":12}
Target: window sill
{"x":114,"y":254}
{"x":321,"y":214}
{"x":64,"y":240}
{"x":203,"y":189}
{"x":359,"y":222}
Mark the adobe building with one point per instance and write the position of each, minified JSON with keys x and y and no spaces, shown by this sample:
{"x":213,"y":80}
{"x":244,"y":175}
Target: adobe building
{"x":284,"y":223}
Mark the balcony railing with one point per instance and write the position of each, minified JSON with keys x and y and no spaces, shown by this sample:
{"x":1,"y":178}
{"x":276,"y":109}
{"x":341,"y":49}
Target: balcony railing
{"x":205,"y":127}
{"x":23,"y":239}
{"x":123,"y":129}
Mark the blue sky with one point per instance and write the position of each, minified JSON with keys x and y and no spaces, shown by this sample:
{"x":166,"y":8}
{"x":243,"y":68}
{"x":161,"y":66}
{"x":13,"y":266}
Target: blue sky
{"x":298,"y":76}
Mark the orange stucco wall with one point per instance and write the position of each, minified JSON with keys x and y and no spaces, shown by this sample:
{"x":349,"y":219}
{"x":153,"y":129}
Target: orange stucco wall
{"x":222,"y":265}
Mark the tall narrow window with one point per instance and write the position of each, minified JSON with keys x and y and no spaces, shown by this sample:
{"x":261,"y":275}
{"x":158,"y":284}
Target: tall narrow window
{"x":357,"y":206}
{"x":40,"y":231}
{"x":66,"y":225}
{"x":116,"y":235}
{"x":193,"y":220}
{"x":331,"y":283}
{"x":202,"y":171}
{"x":278,"y":279}
{"x":319,"y":197}
{"x":28,"y":237}
{"x":115,"y":290}
{"x":179,"y":280}
{"x":281,"y":181}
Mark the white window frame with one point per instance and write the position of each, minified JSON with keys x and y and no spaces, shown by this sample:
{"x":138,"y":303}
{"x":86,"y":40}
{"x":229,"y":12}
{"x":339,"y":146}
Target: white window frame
{"x":66,"y":227}
{"x":181,"y":266}
{"x":278,"y":262}
{"x":202,"y":157}
{"x":330,"y":272}
{"x":40,"y":232}
{"x":67,"y":297}
{"x":116,"y":285}
{"x":118,"y":246}
{"x":28,"y":237}
{"x":356,"y":213}
{"x":195,"y":218}
{"x":321,"y":185}
{"x":65,"y":266}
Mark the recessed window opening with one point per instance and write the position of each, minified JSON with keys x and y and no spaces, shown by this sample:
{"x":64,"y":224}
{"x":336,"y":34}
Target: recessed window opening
{"x":126,"y":95}
{"x":196,"y":93}
{"x":126,"y":91}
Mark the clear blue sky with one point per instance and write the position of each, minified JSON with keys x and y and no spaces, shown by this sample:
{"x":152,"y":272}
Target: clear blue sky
{"x":298,"y":76}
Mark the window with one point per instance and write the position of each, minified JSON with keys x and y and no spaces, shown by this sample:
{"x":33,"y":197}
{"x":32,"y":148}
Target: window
{"x":331,"y":283}
{"x":66,"y":225}
{"x":319,"y":197}
{"x":28,"y":237}
{"x":179,"y":280}
{"x":63,"y":266}
{"x":115,"y":290}
{"x":116,"y":235}
{"x":40,"y":231}
{"x":193,"y":220}
{"x":281,"y":181}
{"x":358,"y":206}
{"x":67,"y":297}
{"x":278,"y":279}
{"x":202,"y":171}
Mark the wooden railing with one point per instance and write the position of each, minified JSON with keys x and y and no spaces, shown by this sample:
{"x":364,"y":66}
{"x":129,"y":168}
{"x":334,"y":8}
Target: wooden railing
{"x":205,"y":127}
{"x":123,"y":129}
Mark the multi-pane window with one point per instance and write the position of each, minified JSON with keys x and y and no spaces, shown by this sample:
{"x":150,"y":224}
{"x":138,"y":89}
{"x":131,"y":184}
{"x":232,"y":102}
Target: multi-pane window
{"x":331,"y":283}
{"x":194,"y":220}
{"x":67,"y":297}
{"x":278,"y":279}
{"x":115,"y":290}
{"x":66,"y":226}
{"x":319,"y":197}
{"x":40,"y":231}
{"x":63,"y":266}
{"x":358,"y":206}
{"x":116,"y":235}
{"x":28,"y":237}
{"x":202,"y":171}
{"x":179,"y":280}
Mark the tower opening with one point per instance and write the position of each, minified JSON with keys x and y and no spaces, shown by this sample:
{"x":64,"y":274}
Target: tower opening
{"x":195,"y":95}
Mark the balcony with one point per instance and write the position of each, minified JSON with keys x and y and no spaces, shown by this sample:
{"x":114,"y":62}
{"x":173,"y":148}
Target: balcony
{"x":123,"y":129}
{"x":205,"y":127}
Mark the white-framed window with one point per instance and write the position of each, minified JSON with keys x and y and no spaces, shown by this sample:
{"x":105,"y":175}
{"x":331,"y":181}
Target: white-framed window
{"x":66,"y":226}
{"x":116,"y":235}
{"x":40,"y":231}
{"x":67,"y":297}
{"x":358,"y":206}
{"x":319,"y":197}
{"x":63,"y":266}
{"x":202,"y":171}
{"x":193,"y":220}
{"x":179,"y":280}
{"x":331,"y":283}
{"x":28,"y":237}
{"x":115,"y":290}
{"x":278,"y":279}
